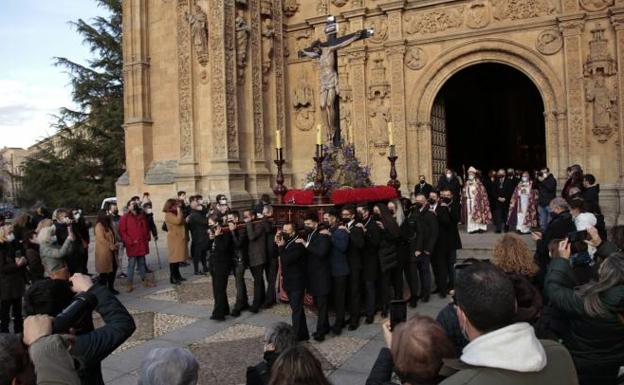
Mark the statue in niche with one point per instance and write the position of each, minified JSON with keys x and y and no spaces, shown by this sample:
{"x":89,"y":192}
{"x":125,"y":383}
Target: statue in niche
{"x":199,"y":30}
{"x":267,"y":44}
{"x":242,"y":42}
{"x":379,"y":116}
{"x":604,"y":109}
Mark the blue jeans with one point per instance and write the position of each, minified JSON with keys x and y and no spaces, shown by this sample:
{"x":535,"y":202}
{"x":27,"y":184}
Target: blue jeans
{"x":544,"y":216}
{"x":131,"y":262}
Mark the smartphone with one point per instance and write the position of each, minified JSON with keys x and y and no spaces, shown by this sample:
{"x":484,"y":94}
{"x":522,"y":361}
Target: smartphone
{"x":576,"y":236}
{"x":398,"y":312}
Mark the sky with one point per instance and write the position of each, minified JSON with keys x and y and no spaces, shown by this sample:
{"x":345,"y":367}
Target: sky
{"x":32,"y":33}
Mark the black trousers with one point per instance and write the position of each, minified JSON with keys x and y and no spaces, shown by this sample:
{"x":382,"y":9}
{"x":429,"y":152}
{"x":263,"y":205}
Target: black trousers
{"x":258,"y":282}
{"x":355,"y":283}
{"x":271,"y":276}
{"x":11,"y":307}
{"x":500,"y":217}
{"x":174,"y":270}
{"x":108,"y":279}
{"x":198,"y":253}
{"x":340,"y":295}
{"x":440,"y":267}
{"x":299,"y":323}
{"x":420,"y":275}
{"x":242,"y":301}
{"x":219,"y":291}
{"x":322,"y":324}
{"x":74,"y":261}
{"x":391,"y":279}
{"x":84,"y":258}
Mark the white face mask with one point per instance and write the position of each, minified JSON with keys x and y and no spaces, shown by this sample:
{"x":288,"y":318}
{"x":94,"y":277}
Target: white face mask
{"x":525,"y":178}
{"x":223,"y":202}
{"x":53,"y":239}
{"x":470,"y":177}
{"x":449,"y":175}
{"x":148,"y":211}
{"x":77,"y":216}
{"x":10,"y":237}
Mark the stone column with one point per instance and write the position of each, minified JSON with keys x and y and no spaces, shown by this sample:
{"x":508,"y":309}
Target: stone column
{"x":562,"y":139}
{"x":356,"y":54}
{"x":423,"y":135}
{"x":617,"y":20}
{"x":137,"y":110}
{"x":395,"y":51}
{"x":552,"y":138}
{"x":571,"y":27}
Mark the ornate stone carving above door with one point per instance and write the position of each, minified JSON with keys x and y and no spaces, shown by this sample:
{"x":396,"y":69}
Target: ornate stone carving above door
{"x":595,"y":5}
{"x":478,"y":15}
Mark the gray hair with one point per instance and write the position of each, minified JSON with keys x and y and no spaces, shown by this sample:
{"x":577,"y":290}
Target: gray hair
{"x":281,"y":335}
{"x":559,"y":203}
{"x":169,"y":366}
{"x":610,"y":274}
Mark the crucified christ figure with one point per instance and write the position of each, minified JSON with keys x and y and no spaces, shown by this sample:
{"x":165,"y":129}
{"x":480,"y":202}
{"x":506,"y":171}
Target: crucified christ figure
{"x":326,"y":53}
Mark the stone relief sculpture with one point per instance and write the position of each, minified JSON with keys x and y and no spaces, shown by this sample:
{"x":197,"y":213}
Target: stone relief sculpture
{"x":380,"y":25}
{"x":598,"y":70}
{"x":604,"y":106}
{"x":434,"y":21}
{"x":549,"y":42}
{"x":267,"y":46}
{"x":379,"y":116}
{"x":242,"y":42}
{"x":521,"y":9}
{"x":415,"y":58}
{"x":340,"y":3}
{"x":303,"y":105}
{"x":199,"y":31}
{"x":596,"y":5}
{"x":290,"y":7}
{"x":478,"y":15}
{"x":322,"y":7}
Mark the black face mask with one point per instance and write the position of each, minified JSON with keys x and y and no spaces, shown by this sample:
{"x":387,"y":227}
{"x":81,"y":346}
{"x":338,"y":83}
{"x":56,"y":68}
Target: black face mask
{"x":431,"y":201}
{"x":359,"y":217}
{"x":376,"y":217}
{"x":346,"y":220}
{"x":392,"y":211}
{"x":447,"y":200}
{"x":308,"y":229}
{"x":418,"y":205}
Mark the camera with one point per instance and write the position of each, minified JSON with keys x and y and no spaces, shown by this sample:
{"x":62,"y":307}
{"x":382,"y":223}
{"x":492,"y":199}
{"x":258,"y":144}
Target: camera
{"x":82,"y":305}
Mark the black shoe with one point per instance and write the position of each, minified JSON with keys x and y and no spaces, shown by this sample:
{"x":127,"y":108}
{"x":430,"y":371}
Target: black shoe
{"x":235,"y":313}
{"x":115,"y":292}
{"x":369,"y":319}
{"x":303,"y":339}
{"x":198,"y":273}
{"x":413,"y":302}
{"x":498,"y":231}
{"x":336,"y":329}
{"x":174,"y":281}
{"x":436,"y":291}
{"x":268,"y":305}
{"x":244,"y":307}
{"x":353,"y":326}
{"x":384,"y":314}
{"x":425,"y":298}
{"x":184,"y":264}
{"x":319,"y":337}
{"x":217,"y":318}
{"x":122,"y":275}
{"x":181,"y":279}
{"x":442,"y":295}
{"x":472,"y":232}
{"x":254,"y":309}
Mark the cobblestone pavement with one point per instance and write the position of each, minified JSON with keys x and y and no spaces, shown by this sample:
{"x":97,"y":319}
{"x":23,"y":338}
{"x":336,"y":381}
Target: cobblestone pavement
{"x":179,"y":316}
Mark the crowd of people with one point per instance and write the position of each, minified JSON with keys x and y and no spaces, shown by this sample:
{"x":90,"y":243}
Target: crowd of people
{"x":555,"y":315}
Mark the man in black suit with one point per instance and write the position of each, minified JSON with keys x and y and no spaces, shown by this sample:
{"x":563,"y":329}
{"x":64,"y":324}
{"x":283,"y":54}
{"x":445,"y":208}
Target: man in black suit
{"x":370,"y":257}
{"x":318,"y":247}
{"x":271,"y":256}
{"x":423,"y":187}
{"x":354,"y":258}
{"x":240,"y":256}
{"x":452,"y":205}
{"x":256,"y":235}
{"x":449,"y":181}
{"x":503,"y":190}
{"x":293,"y":259}
{"x":425,"y":226}
{"x":439,"y":257}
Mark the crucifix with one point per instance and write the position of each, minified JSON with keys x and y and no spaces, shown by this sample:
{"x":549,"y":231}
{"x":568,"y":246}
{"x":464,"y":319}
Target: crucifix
{"x":325,"y":52}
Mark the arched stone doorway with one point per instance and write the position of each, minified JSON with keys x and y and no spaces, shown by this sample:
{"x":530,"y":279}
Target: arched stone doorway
{"x":487,"y":50}
{"x":490,"y":116}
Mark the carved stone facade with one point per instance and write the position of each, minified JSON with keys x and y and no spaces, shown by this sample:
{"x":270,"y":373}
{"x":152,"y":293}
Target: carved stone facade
{"x":206,"y":90}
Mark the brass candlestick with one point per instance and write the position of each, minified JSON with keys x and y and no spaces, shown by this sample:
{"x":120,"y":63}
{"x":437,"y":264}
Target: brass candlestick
{"x":319,"y":179}
{"x":279,"y":190}
{"x":394,"y":182}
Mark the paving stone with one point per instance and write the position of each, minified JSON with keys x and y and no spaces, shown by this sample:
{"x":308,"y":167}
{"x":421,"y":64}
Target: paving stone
{"x":126,"y":379}
{"x":362,"y":360}
{"x":347,"y":377}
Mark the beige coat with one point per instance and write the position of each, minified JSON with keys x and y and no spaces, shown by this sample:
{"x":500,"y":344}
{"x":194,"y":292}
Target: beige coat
{"x":176,"y":237}
{"x":105,"y":247}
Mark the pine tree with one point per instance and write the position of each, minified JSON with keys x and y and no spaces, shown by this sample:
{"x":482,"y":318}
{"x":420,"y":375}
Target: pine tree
{"x":81,"y":168}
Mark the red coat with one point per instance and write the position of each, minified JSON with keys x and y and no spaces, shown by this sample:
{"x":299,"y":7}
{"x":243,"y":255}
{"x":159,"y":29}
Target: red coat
{"x":135,"y":233}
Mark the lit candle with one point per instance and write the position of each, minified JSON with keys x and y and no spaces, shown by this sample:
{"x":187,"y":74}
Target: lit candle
{"x":319,"y":137}
{"x":390,"y":134}
{"x":278,"y":139}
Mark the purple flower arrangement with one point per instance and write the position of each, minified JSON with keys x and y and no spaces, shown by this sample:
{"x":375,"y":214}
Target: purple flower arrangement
{"x":341,"y":168}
